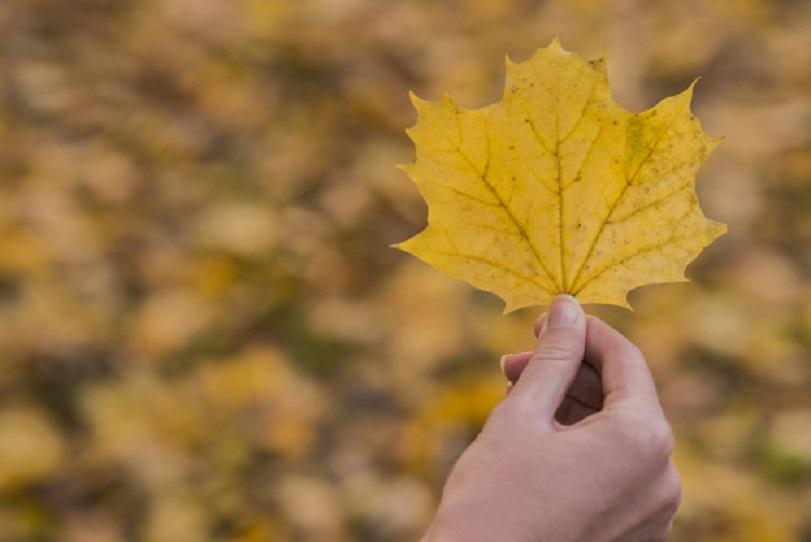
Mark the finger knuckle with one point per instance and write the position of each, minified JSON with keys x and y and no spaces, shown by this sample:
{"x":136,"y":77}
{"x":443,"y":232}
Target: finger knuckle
{"x":650,"y":438}
{"x":673,"y":501}
{"x":672,"y":493}
{"x":550,"y":353}
{"x":555,"y":348}
{"x":662,"y":439}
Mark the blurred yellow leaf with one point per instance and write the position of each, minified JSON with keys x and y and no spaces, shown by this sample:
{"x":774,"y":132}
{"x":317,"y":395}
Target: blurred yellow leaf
{"x":557,"y":188}
{"x":30,"y":446}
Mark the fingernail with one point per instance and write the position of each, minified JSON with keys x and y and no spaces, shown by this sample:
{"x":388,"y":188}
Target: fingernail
{"x":565,"y":311}
{"x":502,"y":361}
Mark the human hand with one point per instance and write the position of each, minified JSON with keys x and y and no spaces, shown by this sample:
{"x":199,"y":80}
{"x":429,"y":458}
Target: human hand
{"x":584,"y":396}
{"x":573,"y":453}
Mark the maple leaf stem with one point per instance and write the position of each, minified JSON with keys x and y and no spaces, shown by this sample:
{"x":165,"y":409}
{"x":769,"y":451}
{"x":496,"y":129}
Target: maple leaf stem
{"x":564,"y":287}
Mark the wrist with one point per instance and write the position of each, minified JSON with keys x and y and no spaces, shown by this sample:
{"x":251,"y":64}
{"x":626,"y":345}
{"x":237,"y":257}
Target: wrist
{"x":463,"y":524}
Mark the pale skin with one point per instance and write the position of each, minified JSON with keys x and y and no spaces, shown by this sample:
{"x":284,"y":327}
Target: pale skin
{"x":579,"y":450}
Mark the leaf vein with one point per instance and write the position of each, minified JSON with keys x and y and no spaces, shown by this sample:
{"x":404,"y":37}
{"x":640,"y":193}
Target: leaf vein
{"x":645,"y":250}
{"x":491,"y":263}
{"x":654,"y":203}
{"x":521,"y":230}
{"x":627,"y":183}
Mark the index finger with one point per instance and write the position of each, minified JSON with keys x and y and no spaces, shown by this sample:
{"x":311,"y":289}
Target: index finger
{"x":625,"y":374}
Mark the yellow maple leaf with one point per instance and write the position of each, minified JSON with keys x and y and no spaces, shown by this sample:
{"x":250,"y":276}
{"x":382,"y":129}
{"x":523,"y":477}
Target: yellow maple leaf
{"x":557,"y":188}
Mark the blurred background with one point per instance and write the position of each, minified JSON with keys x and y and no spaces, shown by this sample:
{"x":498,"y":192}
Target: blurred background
{"x":203,"y":332}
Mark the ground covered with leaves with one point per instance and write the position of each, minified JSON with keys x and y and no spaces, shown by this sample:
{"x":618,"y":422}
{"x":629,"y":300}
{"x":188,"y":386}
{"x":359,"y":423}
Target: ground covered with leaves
{"x":204,"y":334}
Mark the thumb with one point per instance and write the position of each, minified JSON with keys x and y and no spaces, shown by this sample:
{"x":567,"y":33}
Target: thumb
{"x":556,"y":358}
